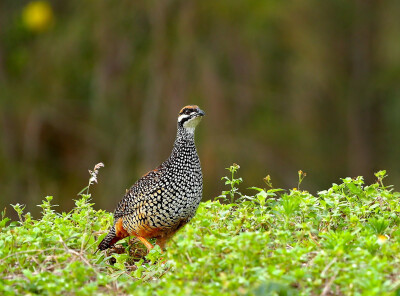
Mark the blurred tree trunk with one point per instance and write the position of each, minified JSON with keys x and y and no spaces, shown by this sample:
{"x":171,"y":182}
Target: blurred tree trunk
{"x":151,"y":105}
{"x":361,"y":115}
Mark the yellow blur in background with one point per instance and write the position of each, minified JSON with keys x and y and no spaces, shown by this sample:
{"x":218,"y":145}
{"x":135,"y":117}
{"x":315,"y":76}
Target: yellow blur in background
{"x":38,"y":16}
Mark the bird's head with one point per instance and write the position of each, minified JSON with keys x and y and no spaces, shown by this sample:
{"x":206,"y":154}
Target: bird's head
{"x":189,"y":117}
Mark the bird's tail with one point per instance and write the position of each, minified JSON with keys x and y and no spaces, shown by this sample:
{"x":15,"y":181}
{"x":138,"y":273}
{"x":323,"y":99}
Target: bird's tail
{"x":110,"y":239}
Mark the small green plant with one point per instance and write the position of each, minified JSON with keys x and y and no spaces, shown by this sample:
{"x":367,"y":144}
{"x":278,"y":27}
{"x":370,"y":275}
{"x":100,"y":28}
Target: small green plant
{"x":93,"y":177}
{"x":4,"y":219}
{"x":233,"y":182}
{"x":301,"y":175}
{"x":380,"y":176}
{"x":378,"y":225}
{"x":290,"y":204}
{"x":267,"y":180}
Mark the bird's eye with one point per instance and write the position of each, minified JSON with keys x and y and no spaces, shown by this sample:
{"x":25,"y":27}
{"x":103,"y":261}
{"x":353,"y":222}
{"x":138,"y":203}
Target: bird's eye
{"x":187,"y":111}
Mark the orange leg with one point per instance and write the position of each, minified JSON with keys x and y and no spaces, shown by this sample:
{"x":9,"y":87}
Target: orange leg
{"x":148,"y":245}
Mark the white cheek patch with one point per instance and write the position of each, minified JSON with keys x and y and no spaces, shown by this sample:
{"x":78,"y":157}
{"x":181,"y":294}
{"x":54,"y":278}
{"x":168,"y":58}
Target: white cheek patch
{"x":182,"y":117}
{"x":191,"y":124}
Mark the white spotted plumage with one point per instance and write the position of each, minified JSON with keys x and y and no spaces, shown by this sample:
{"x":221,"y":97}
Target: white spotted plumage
{"x":167,"y":197}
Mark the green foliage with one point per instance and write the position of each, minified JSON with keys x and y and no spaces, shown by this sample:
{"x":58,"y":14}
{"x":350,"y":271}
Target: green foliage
{"x":345,"y":241}
{"x":281,"y":81}
{"x":233,"y":182}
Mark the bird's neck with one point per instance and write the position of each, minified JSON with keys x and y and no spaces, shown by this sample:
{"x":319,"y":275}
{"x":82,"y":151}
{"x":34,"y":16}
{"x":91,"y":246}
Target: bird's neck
{"x":184,"y":145}
{"x":184,"y":138}
{"x":184,"y":134}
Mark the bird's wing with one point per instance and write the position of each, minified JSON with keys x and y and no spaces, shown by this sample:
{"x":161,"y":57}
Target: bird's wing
{"x":146,"y":185}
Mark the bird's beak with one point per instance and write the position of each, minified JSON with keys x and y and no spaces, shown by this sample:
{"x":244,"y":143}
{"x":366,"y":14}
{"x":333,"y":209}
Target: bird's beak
{"x":201,"y":113}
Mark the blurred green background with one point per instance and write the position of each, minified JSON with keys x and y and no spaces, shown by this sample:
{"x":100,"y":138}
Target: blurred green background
{"x":286,"y":85}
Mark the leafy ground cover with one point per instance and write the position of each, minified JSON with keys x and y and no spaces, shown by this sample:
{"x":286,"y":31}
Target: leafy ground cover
{"x":343,"y":241}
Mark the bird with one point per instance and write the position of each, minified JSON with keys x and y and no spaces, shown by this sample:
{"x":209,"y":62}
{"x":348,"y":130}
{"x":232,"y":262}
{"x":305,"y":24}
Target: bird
{"x":165,"y":199}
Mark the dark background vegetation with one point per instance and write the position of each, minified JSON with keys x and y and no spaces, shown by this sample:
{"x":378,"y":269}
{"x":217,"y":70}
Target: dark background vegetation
{"x":286,"y":85}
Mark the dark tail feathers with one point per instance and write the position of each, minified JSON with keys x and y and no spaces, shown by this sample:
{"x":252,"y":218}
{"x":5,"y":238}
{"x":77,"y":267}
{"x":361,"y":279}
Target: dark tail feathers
{"x":109,"y":240}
